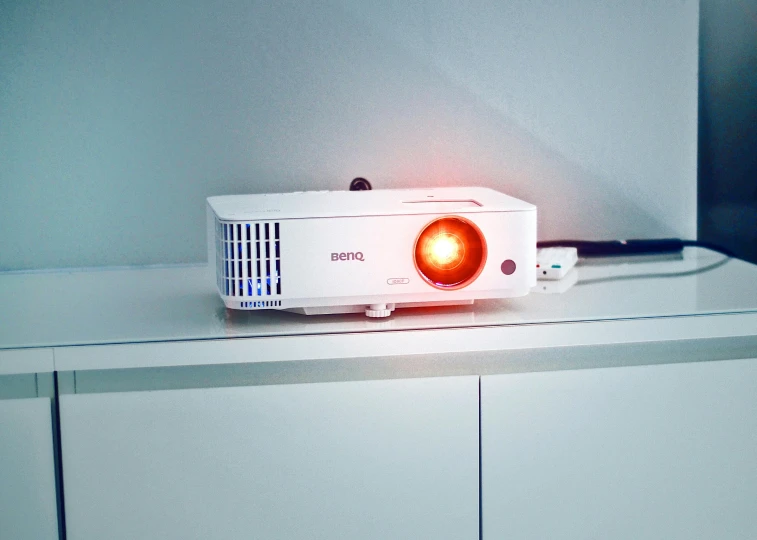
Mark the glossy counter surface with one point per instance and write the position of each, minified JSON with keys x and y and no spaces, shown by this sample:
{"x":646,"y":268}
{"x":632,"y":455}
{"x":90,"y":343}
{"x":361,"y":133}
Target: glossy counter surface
{"x":55,"y":309}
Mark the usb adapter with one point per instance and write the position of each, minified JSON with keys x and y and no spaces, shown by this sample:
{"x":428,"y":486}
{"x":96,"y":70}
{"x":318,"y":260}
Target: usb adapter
{"x":554,"y":263}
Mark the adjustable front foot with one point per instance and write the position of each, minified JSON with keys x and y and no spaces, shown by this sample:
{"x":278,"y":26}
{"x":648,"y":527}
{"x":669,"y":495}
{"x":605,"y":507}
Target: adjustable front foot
{"x":379,"y":310}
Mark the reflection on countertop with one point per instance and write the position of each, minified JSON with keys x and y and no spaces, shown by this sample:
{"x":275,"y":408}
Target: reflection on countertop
{"x":48,"y":309}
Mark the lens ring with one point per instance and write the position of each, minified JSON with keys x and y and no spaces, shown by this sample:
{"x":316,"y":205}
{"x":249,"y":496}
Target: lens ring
{"x":450,"y":267}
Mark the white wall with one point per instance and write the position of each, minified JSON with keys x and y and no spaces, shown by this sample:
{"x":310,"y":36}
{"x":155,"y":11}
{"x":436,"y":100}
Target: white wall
{"x":117,"y":119}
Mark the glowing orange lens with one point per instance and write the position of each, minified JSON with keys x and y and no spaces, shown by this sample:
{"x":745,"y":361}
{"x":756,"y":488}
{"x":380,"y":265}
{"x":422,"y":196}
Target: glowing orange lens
{"x":445,"y":251}
{"x":450,"y":252}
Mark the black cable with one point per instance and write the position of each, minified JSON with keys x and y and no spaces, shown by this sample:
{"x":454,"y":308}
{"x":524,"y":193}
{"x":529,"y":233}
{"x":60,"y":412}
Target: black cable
{"x":657,"y":275}
{"x":708,"y":245}
{"x":360,"y":184}
{"x":611,"y":248}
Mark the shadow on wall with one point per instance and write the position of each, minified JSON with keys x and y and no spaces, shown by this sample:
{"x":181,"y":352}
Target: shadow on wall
{"x":120,"y":118}
{"x":728,"y":126}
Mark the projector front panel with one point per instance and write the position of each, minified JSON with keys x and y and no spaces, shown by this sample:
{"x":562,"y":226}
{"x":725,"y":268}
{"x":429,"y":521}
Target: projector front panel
{"x":294,"y":263}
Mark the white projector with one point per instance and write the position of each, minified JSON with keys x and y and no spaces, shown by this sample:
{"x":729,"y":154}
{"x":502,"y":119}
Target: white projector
{"x":371,"y":251}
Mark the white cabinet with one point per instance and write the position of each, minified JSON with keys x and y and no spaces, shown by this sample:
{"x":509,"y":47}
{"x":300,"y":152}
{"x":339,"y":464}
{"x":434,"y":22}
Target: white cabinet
{"x":366,"y":459}
{"x":28,"y":508}
{"x":666,"y":451}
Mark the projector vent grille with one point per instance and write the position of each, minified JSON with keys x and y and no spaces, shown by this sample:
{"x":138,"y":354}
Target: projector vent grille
{"x":248,"y":259}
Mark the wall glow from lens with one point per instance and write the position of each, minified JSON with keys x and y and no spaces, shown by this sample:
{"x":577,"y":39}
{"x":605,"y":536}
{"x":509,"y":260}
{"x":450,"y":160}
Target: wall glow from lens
{"x":450,"y":252}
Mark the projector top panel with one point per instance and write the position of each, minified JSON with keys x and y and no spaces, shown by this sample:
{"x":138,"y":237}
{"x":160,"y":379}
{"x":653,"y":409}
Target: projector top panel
{"x":388,"y":202}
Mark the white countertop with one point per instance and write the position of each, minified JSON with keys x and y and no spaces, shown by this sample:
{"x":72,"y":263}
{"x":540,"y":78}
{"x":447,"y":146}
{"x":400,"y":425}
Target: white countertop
{"x":138,"y":305}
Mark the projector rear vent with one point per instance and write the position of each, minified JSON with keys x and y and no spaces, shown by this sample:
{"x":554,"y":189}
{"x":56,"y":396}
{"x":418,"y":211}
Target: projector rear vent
{"x":248,"y":259}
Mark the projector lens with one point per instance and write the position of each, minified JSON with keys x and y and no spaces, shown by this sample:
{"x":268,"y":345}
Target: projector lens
{"x":450,"y":252}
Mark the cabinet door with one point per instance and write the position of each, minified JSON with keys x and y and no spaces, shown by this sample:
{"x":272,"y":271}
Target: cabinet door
{"x":28,"y":508}
{"x":373,"y":459}
{"x":654,"y":452}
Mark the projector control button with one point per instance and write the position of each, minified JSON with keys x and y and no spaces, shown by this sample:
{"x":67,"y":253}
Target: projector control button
{"x":398,"y":281}
{"x":508,"y":267}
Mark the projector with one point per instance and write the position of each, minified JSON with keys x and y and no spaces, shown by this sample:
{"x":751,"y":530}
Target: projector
{"x":322,"y":252}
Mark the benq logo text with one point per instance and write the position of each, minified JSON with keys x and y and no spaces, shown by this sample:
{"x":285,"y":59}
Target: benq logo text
{"x":349,"y":256}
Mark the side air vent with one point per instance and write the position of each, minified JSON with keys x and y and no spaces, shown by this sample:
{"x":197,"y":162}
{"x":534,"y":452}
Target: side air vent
{"x":260,"y":304}
{"x":248,"y":259}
